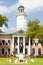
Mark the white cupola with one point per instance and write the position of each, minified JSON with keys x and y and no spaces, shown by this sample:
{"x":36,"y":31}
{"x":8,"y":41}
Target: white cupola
{"x":21,"y":18}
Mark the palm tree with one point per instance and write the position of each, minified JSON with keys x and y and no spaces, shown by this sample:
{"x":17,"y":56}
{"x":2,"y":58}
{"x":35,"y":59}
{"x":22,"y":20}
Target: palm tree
{"x":3,"y":20}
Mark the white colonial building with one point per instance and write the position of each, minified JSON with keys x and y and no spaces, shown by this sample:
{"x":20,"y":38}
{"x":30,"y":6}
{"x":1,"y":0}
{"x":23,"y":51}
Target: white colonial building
{"x":14,"y":41}
{"x":18,"y":37}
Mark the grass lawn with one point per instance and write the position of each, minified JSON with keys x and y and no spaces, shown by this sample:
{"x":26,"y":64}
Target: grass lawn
{"x":37,"y":61}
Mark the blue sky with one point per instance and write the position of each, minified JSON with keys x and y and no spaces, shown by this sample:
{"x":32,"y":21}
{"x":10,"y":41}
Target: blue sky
{"x":33,"y":8}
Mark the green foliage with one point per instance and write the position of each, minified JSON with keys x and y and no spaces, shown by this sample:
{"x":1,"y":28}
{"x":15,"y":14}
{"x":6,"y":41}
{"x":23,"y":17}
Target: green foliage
{"x":33,"y":26}
{"x":3,"y":20}
{"x":41,"y":41}
{"x":34,"y":30}
{"x":40,"y":32}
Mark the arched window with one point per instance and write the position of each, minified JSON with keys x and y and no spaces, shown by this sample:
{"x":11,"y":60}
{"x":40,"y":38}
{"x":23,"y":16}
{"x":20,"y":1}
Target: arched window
{"x":39,"y":51}
{"x":2,"y":50}
{"x":8,"y":42}
{"x":15,"y":41}
{"x":3,"y":42}
{"x":8,"y":50}
{"x":33,"y":51}
{"x":0,"y":42}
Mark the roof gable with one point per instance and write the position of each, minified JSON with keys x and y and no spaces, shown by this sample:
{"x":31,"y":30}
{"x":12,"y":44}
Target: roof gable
{"x":19,"y":32}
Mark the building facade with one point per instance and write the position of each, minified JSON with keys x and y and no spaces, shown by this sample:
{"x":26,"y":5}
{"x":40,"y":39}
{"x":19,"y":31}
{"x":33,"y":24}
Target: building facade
{"x":14,"y":41}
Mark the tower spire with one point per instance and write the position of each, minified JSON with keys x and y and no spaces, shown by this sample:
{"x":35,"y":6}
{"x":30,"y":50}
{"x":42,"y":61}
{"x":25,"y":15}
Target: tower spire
{"x":21,"y":8}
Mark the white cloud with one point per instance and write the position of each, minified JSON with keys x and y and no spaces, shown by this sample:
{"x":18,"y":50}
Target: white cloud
{"x":3,"y":9}
{"x":30,"y":5}
{"x":13,"y":7}
{"x":8,"y":9}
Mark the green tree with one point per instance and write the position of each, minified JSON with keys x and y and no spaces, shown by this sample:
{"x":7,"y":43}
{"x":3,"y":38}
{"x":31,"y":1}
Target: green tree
{"x":35,"y":30}
{"x":3,"y":20}
{"x":40,"y":34}
{"x":33,"y":27}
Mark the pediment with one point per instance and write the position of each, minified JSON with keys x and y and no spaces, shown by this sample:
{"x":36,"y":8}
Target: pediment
{"x":20,"y":32}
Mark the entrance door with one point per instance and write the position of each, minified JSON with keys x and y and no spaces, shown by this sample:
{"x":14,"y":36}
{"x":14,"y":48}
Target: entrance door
{"x":21,"y":44}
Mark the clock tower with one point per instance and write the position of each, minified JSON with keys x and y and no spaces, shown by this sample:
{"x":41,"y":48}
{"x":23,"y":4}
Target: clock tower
{"x":21,"y":18}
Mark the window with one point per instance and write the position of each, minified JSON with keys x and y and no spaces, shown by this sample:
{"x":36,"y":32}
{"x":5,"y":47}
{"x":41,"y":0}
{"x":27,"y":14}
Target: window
{"x":15,"y":43}
{"x":22,"y":10}
{"x":25,"y":50}
{"x":8,"y":42}
{"x":3,"y":42}
{"x":39,"y":51}
{"x":0,"y":42}
{"x":33,"y":51}
{"x":8,"y":50}
{"x":2,"y":50}
{"x":36,"y":44}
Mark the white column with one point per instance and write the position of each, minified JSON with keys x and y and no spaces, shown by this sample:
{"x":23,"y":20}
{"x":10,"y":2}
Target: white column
{"x":12,"y":45}
{"x":29,"y":47}
{"x":24,"y":45}
{"x":18,"y":45}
